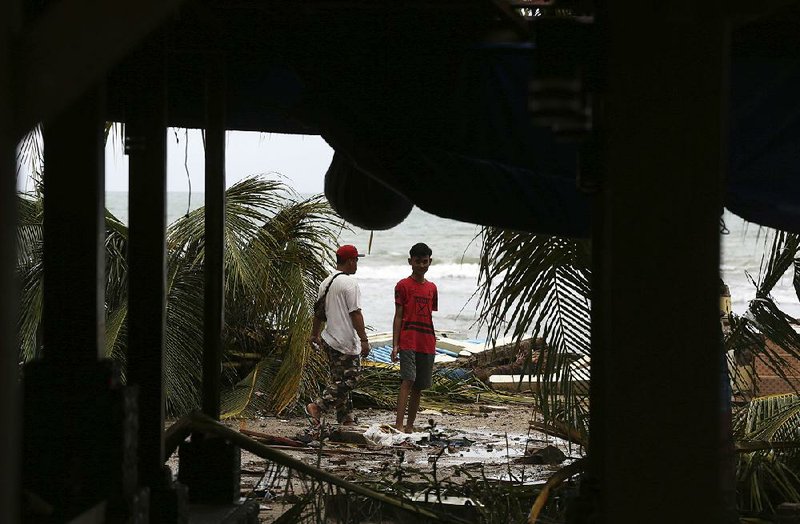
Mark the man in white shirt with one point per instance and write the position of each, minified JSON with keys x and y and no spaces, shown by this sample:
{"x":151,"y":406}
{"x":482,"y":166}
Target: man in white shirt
{"x":344,"y":338}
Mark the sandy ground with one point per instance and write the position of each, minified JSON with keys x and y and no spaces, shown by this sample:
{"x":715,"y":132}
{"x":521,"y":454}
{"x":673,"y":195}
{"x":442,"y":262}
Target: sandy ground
{"x":485,"y":442}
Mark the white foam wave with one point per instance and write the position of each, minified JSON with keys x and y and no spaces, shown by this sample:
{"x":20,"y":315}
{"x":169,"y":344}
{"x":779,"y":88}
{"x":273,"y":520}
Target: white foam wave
{"x":438,"y":271}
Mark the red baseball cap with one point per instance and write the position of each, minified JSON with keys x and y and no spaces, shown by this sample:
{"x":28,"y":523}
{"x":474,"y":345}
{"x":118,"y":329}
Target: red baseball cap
{"x":347,"y":251}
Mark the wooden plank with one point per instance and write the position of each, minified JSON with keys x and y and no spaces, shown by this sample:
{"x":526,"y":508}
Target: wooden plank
{"x":72,"y":46}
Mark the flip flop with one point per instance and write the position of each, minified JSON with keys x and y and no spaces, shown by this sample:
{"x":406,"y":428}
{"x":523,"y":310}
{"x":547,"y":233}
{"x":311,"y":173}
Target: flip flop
{"x":314,"y":421}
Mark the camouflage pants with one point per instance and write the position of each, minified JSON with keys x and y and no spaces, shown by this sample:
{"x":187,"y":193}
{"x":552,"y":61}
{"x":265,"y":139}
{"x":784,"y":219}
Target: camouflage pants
{"x":345,"y":370}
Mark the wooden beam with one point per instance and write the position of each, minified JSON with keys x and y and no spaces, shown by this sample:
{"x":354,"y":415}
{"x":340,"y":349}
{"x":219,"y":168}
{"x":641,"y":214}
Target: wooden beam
{"x":72,"y":46}
{"x":214,"y":233}
{"x":661,"y":376}
{"x":146,"y":146}
{"x":510,"y":15}
{"x":9,"y":291}
{"x":740,"y":12}
{"x":73,"y":314}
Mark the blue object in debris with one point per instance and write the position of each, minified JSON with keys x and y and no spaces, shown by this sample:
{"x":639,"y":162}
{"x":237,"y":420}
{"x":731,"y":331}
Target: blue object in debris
{"x":455,"y":373}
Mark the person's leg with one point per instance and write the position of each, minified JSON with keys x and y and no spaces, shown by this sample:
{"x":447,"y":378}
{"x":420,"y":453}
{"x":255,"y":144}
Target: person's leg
{"x":413,"y":406}
{"x":331,"y":393}
{"x":402,"y":401}
{"x":408,"y":373}
{"x":350,"y":371}
{"x":424,"y":374}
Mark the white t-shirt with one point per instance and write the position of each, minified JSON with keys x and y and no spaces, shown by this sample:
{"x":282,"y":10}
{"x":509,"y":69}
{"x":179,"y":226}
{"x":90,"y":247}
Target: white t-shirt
{"x":343,"y":298}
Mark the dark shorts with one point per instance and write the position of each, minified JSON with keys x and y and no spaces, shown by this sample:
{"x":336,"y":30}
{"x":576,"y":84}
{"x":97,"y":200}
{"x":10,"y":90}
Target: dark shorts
{"x":417,"y":367}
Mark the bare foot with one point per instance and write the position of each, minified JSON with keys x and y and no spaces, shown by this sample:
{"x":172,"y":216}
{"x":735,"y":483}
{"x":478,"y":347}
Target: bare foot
{"x":399,"y":427}
{"x":313,"y":412}
{"x":409,"y":429}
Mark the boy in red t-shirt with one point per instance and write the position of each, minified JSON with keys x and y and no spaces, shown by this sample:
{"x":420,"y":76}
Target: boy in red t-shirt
{"x":413,"y":339}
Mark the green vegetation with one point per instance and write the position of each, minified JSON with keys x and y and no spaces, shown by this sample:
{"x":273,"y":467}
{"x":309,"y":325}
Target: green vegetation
{"x":277,"y":250}
{"x":533,"y":285}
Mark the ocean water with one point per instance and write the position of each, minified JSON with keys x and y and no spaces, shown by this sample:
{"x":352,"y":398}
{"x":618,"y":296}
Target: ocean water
{"x":743,"y":248}
{"x":456,"y":251}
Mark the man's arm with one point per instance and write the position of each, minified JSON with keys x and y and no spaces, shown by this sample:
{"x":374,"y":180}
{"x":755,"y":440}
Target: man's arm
{"x":358,"y":324}
{"x":316,"y":329}
{"x":396,"y":325}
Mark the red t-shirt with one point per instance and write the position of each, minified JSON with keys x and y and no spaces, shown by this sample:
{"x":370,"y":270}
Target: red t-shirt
{"x":419,"y":301}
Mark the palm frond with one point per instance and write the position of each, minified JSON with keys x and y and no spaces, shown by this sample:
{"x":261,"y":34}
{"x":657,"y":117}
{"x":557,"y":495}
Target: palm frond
{"x":116,"y":335}
{"x":30,"y":153}
{"x":538,"y":286}
{"x":378,"y":387}
{"x":768,"y":477}
{"x":277,"y":250}
{"x":29,"y":230}
{"x":777,"y":260}
{"x":247,"y":396}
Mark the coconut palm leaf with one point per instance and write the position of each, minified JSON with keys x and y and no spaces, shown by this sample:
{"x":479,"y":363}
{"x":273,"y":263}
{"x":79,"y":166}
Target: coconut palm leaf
{"x":776,"y":261}
{"x":29,"y":229}
{"x":30,"y":154}
{"x":29,"y":272}
{"x":276,"y":249}
{"x":294,"y":277}
{"x":247,"y":397}
{"x":116,"y":335}
{"x":276,"y":253}
{"x":764,"y":321}
{"x":538,"y":286}
{"x":770,"y":418}
{"x":377,"y":387}
{"x":768,"y":477}
{"x":30,"y":310}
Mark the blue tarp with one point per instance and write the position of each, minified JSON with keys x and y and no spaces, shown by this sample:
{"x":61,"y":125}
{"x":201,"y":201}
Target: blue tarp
{"x":511,"y":173}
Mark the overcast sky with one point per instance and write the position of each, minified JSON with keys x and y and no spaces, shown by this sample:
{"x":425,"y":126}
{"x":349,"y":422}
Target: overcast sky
{"x":301,"y":159}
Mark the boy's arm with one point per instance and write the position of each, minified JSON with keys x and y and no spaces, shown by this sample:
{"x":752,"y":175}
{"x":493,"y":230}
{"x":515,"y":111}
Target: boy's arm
{"x":396,"y":325}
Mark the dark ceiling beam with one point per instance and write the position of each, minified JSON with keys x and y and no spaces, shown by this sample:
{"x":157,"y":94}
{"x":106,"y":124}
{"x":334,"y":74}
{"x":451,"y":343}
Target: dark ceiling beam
{"x":512,"y":16}
{"x":741,"y":12}
{"x":71,"y":47}
{"x":360,"y":5}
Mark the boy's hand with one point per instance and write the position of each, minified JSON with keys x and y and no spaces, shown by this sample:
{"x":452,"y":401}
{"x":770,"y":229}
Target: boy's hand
{"x":365,"y":349}
{"x":315,"y":341}
{"x":394,"y":354}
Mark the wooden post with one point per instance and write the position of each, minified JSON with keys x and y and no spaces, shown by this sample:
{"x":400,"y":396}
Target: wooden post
{"x":214,"y":231}
{"x":73,"y":314}
{"x":211,"y":466}
{"x":9,"y":292}
{"x":145,"y":144}
{"x":658,"y":264}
